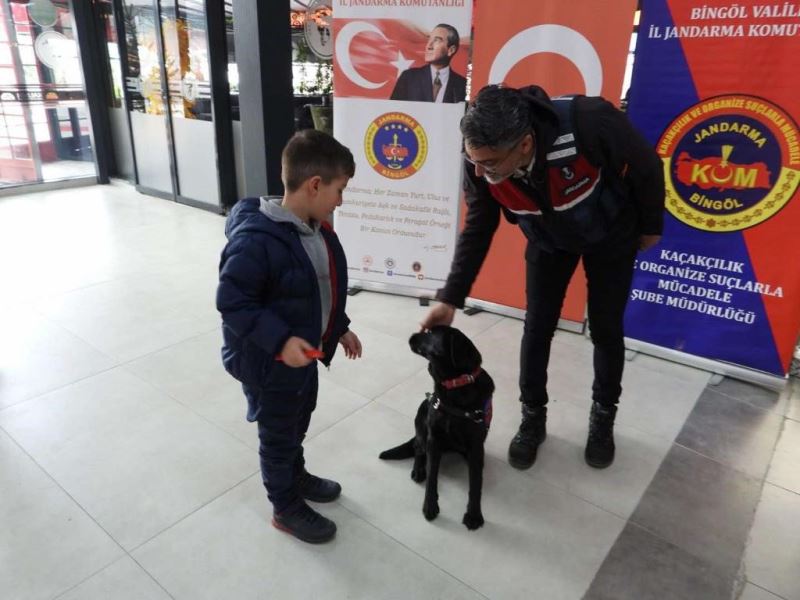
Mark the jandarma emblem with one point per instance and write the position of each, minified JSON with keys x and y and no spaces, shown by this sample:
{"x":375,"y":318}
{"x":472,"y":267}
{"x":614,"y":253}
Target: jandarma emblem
{"x":730,"y":162}
{"x":395,"y":145}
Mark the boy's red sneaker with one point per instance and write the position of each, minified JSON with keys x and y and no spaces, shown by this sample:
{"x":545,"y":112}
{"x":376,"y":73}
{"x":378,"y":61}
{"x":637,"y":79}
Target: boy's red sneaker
{"x":304,"y":523}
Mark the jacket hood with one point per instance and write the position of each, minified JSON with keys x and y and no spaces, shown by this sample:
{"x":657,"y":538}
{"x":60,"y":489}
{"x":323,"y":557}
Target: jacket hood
{"x":545,"y":119}
{"x":272,"y":208}
{"x":246,"y":216}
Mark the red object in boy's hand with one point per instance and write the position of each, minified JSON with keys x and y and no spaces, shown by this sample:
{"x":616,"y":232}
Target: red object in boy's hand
{"x":309,"y":354}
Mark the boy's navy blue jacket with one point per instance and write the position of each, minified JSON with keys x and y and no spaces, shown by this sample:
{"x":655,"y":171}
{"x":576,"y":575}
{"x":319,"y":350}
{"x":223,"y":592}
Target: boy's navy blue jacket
{"x":268,"y":292}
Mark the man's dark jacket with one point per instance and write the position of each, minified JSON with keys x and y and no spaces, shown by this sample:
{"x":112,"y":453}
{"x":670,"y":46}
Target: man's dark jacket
{"x":607,"y":140}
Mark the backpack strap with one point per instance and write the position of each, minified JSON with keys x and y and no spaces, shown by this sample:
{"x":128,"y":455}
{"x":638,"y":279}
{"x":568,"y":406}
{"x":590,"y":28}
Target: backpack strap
{"x":565,"y":147}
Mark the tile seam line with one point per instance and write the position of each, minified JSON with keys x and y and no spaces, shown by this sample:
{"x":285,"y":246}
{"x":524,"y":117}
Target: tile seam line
{"x":412,"y":551}
{"x":87,"y":513}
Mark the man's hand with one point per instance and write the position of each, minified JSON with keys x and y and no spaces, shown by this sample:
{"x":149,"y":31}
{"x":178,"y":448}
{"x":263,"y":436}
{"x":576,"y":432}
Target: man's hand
{"x":648,"y":241}
{"x":351,"y":345}
{"x":441,"y":314}
{"x":293,"y":352}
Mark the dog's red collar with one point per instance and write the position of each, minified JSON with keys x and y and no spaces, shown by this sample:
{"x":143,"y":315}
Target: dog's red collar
{"x":462,"y":380}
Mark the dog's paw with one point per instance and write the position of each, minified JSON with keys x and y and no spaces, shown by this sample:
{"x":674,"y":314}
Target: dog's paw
{"x":472,"y":521}
{"x":430,"y":510}
{"x":419,"y":475}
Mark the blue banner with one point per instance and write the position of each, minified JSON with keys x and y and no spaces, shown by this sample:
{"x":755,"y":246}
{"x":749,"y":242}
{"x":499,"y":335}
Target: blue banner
{"x":724,"y":123}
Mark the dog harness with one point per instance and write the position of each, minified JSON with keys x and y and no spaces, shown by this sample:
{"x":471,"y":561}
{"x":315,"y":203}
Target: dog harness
{"x":483,"y":415}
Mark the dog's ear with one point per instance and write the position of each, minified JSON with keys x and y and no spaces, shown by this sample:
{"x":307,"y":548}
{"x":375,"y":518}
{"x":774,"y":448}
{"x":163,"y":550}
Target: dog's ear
{"x":454,"y":352}
{"x":414,"y":342}
{"x":463,"y":353}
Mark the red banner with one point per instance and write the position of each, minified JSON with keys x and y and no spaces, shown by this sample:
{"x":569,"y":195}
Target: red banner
{"x":566,"y":47}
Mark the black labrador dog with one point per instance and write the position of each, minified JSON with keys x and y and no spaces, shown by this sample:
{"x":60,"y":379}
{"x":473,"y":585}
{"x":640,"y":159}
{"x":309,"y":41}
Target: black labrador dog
{"x":455,"y":417}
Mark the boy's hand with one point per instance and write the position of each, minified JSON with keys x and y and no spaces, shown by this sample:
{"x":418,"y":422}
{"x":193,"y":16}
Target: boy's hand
{"x":293,"y":352}
{"x":351,"y":345}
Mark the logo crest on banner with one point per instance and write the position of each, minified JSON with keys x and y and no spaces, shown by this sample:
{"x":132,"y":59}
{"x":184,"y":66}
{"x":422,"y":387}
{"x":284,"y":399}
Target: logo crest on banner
{"x":731,"y":162}
{"x":396,"y":145}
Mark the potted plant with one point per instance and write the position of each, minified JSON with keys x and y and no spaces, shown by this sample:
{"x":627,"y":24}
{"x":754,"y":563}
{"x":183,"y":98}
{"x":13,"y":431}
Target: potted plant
{"x":322,"y":115}
{"x":319,"y":84}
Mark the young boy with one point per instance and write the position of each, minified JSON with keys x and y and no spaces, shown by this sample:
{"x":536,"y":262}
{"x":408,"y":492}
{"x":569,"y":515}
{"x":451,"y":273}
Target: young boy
{"x":282,"y":290}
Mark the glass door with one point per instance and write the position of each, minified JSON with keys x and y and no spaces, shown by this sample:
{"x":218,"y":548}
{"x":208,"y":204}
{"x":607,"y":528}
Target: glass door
{"x":183,"y":23}
{"x":117,"y":113}
{"x":44,"y":125}
{"x":168,"y":84}
{"x":146,"y":102}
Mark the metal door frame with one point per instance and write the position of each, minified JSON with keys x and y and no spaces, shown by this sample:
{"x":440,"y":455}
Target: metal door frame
{"x":221,"y":113}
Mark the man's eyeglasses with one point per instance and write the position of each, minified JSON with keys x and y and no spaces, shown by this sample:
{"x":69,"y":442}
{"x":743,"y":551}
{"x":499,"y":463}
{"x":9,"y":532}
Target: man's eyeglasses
{"x":492,"y":165}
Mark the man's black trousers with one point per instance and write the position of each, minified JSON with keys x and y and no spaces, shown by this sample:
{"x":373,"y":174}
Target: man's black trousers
{"x":608,"y":273}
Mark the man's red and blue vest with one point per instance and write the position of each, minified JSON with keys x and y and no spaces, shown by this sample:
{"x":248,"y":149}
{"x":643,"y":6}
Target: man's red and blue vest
{"x":576,"y":204}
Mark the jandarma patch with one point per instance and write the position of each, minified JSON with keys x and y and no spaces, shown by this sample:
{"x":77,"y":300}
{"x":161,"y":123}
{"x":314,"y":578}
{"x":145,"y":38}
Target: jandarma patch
{"x":396,"y":145}
{"x":730,"y":162}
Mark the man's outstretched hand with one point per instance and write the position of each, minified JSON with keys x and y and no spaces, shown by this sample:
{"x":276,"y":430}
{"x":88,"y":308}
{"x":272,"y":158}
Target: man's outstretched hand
{"x":441,"y":314}
{"x":648,"y":241}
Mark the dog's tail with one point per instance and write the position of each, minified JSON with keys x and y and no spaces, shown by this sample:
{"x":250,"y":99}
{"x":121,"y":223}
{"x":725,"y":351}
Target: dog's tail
{"x":400,"y":452}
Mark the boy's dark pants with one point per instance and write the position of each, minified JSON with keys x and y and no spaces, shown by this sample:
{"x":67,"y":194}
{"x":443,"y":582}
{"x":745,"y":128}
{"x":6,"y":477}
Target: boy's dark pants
{"x":282,"y":426}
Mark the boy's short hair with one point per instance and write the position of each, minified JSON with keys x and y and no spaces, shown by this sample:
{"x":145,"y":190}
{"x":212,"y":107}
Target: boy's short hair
{"x":310,"y":153}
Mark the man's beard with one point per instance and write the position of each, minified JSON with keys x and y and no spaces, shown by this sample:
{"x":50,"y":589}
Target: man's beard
{"x":496,"y":179}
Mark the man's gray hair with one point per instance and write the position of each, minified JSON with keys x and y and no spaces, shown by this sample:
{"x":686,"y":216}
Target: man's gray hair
{"x":498,"y":117}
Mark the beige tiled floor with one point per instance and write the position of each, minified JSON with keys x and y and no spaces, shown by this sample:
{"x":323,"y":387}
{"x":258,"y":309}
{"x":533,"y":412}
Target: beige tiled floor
{"x":128,"y":471}
{"x":773,"y":554}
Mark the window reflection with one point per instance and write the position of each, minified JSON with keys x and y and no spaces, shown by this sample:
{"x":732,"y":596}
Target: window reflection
{"x":44,"y":127}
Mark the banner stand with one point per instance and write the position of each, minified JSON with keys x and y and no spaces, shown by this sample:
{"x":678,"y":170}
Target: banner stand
{"x":720,"y":284}
{"x":490,"y":307}
{"x":566,"y":49}
{"x":390,"y":288}
{"x":518,"y":313}
{"x":398,"y":101}
{"x":766,"y":380}
{"x":762,"y":379}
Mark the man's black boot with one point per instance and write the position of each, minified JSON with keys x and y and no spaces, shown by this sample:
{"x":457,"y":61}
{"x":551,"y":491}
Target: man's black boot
{"x":600,"y":443}
{"x":532,"y":432}
{"x":317,"y":489}
{"x":304,"y":523}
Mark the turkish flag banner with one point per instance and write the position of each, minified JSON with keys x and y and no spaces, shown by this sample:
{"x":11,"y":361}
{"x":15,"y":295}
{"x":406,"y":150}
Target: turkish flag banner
{"x":576,"y":47}
{"x":370,"y":55}
{"x":400,"y":86}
